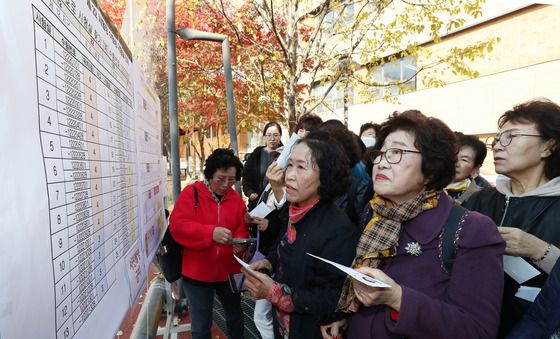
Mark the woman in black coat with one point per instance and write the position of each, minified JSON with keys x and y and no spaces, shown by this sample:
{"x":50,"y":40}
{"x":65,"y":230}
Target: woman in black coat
{"x":254,"y":171}
{"x":525,"y":206}
{"x":304,"y":291}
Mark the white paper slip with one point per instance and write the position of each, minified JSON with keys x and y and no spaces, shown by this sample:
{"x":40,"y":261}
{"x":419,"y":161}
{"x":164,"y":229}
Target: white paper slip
{"x":528,"y":293}
{"x":283,"y":157}
{"x":355,"y":274}
{"x":261,"y":211}
{"x":519,"y":269}
{"x":244,"y":264}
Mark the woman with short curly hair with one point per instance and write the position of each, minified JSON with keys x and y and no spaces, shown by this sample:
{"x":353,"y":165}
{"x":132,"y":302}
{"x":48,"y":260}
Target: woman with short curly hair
{"x":442,"y":263}
{"x":526,"y":205}
{"x":205,"y":219}
{"x":304,"y":291}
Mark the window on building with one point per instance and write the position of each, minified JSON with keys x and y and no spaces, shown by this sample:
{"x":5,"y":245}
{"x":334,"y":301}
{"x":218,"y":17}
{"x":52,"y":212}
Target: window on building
{"x":209,"y":133}
{"x":333,"y":15}
{"x":396,"y":71}
{"x":335,"y":99}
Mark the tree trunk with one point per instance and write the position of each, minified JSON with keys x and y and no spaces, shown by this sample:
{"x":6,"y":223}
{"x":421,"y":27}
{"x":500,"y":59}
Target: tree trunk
{"x":202,"y":152}
{"x":290,"y":103}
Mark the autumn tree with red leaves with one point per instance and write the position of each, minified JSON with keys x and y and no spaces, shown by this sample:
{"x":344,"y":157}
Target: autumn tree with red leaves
{"x":257,"y":77}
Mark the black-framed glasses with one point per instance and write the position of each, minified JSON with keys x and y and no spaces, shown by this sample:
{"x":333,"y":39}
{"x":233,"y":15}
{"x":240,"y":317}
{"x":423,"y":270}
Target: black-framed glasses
{"x":506,"y":137}
{"x":392,"y":155}
{"x":270,"y":136}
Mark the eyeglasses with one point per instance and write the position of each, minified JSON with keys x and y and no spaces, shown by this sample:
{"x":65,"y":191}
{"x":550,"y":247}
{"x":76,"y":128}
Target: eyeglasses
{"x":506,"y":137}
{"x":270,"y":136}
{"x":392,"y":155}
{"x":224,"y":180}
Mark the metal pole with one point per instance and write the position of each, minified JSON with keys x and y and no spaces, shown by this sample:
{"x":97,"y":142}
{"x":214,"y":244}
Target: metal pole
{"x":172,"y":84}
{"x":229,"y":96}
{"x":146,"y":324}
{"x":192,"y":34}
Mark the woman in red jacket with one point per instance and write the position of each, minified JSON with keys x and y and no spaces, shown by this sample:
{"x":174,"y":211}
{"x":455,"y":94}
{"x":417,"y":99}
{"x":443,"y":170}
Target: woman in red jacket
{"x":205,"y":219}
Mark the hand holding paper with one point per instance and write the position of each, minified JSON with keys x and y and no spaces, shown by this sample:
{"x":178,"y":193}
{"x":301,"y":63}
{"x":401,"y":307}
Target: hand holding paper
{"x":257,"y":283}
{"x":364,"y":279}
{"x":519,"y":269}
{"x":261,"y":211}
{"x":283,"y":157}
{"x":243,"y":264}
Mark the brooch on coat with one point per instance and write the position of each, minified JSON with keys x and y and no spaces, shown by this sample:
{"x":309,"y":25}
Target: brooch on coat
{"x":413,"y":248}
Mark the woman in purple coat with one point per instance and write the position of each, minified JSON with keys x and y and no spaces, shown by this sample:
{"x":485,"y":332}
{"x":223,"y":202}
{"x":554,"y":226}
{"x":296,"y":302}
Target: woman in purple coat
{"x":403,"y":245}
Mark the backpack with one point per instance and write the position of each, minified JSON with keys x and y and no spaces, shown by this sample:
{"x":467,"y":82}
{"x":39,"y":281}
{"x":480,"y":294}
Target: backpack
{"x":452,"y":224}
{"x":170,"y":254}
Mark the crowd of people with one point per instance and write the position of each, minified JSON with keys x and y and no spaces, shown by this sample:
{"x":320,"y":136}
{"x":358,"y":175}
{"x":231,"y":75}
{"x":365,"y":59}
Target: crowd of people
{"x":402,"y":203}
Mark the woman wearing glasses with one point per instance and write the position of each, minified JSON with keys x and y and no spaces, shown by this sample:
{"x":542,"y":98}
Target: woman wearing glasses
{"x":206,"y":217}
{"x":443,"y":264}
{"x":526,"y":207}
{"x":254,"y":171}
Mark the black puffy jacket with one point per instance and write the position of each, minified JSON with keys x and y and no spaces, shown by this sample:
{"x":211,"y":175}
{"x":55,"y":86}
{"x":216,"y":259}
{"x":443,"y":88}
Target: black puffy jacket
{"x":537,"y":215}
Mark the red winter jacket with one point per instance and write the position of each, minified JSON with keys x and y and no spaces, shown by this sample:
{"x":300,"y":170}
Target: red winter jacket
{"x":203,"y":258}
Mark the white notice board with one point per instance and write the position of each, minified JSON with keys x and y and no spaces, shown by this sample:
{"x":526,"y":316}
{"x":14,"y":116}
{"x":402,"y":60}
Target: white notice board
{"x":72,"y":252}
{"x":152,"y":182}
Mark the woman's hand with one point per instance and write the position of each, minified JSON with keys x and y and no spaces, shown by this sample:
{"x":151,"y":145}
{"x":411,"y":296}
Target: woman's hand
{"x":275,"y":176}
{"x":221,"y":235}
{"x":262,"y":223}
{"x":522,"y":244}
{"x":247,"y":218}
{"x":333,"y":330}
{"x":371,"y":296}
{"x":253,"y":196}
{"x":261,"y":264}
{"x":257,"y":283}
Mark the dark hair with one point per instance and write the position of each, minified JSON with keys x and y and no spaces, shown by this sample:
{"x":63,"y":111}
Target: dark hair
{"x":274,"y":155}
{"x":308,"y":122}
{"x":346,"y":139}
{"x":369,"y":125}
{"x":475,"y":144}
{"x":328,"y":156}
{"x":432,"y":138}
{"x":545,"y":114}
{"x":222,"y":158}
{"x":335,"y":123}
{"x":272,"y":124}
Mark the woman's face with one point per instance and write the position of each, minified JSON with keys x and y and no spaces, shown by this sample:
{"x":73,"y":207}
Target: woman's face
{"x":302,"y":176}
{"x":465,"y":168}
{"x":404,"y":180}
{"x":272,"y":137}
{"x":222,"y":180}
{"x":524,"y":154}
{"x":368,"y":133}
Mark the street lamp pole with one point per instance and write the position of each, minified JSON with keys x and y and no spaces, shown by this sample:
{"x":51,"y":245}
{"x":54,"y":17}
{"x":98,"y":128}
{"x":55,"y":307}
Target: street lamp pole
{"x":191,"y":34}
{"x":172,"y":88}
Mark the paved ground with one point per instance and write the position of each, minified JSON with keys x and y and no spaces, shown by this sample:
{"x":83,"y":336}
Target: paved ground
{"x":130,"y":318}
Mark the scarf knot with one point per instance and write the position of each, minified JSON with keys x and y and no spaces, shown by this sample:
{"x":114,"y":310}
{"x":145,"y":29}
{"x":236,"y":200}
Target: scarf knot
{"x":381,"y":235}
{"x":295,"y":214}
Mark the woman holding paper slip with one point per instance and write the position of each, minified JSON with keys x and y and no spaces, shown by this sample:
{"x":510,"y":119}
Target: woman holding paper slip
{"x":443,"y":264}
{"x":207,"y":217}
{"x":526,"y":206}
{"x":304,"y":290}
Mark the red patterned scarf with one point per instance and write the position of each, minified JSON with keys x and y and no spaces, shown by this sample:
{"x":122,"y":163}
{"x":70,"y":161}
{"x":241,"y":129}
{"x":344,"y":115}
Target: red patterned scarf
{"x":296,"y":213}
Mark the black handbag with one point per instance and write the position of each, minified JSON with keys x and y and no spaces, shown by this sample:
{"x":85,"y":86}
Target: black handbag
{"x":170,"y":254}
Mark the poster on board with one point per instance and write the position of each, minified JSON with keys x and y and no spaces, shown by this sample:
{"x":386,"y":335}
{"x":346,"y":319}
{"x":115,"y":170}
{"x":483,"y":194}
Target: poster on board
{"x":152,"y":183}
{"x":72,"y":250}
